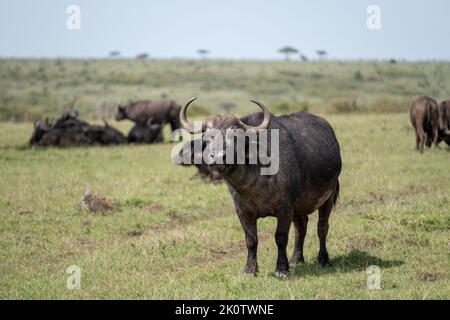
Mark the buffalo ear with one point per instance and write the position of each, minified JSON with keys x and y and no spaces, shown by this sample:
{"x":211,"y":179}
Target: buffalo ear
{"x":149,"y":121}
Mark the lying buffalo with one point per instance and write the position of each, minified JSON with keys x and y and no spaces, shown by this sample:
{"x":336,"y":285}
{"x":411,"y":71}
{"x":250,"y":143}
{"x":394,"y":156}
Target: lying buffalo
{"x":306,"y":154}
{"x":41,"y":128}
{"x":444,"y":122}
{"x":146,"y":133}
{"x":70,"y":131}
{"x":424,"y":115}
{"x":192,"y":150}
{"x":64,"y":137}
{"x":105,"y":135}
{"x":140,"y":112}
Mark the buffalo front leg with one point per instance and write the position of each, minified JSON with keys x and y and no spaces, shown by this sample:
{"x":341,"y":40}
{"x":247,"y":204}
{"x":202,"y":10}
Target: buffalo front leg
{"x":251,"y":240}
{"x":301,"y":224}
{"x":284,"y":220}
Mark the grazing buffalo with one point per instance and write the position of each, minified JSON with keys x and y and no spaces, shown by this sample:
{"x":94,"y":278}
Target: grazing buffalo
{"x":162,"y":112}
{"x":146,"y":133}
{"x":309,"y":164}
{"x":424,"y":116}
{"x":444,"y":122}
{"x":193,"y":149}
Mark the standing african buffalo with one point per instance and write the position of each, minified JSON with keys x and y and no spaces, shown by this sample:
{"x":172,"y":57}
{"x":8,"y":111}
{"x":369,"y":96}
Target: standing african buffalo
{"x":161,"y":112}
{"x":306,"y":180}
{"x":424,"y":116}
{"x":444,"y":122}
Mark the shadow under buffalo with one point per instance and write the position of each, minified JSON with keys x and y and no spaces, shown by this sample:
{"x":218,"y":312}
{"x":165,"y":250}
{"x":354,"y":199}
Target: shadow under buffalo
{"x":355,"y":260}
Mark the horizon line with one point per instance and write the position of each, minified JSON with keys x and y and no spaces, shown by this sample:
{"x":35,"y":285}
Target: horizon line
{"x":150,"y":58}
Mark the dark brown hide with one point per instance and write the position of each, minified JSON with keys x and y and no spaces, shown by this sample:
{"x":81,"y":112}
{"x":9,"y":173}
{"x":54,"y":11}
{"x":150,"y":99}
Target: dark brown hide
{"x":424,"y":117}
{"x":146,"y":133}
{"x":444,"y":122}
{"x":69,"y":131}
{"x":307,"y":180}
{"x":162,"y":112}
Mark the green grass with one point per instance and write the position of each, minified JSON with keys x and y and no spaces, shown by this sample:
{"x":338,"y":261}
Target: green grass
{"x":393,"y":212}
{"x":31,"y":89}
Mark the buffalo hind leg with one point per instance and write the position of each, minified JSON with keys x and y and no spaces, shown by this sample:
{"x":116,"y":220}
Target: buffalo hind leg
{"x":322,"y":231}
{"x":421,"y":137}
{"x":417,"y":141}
{"x":251,"y":240}
{"x":428,"y":140}
{"x":301,"y":224}
{"x":284,"y":220}
{"x":436,"y":139}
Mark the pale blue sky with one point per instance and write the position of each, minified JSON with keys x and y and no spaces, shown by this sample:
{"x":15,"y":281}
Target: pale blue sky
{"x":249,"y":29}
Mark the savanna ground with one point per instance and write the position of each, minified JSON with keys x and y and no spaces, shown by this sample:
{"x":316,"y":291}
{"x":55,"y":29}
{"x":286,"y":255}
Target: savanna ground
{"x":175,"y":236}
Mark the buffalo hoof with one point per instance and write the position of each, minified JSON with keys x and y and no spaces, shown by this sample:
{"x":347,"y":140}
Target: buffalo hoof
{"x":282,"y":270}
{"x":252,"y":269}
{"x":281,"y":273}
{"x":323,"y":259}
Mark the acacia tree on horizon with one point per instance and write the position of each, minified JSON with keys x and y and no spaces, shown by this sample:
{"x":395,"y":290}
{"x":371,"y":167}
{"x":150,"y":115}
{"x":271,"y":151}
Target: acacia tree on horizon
{"x":203,"y":53}
{"x":114,"y":54}
{"x":322,"y":54}
{"x":287,"y":51}
{"x":142,"y":56}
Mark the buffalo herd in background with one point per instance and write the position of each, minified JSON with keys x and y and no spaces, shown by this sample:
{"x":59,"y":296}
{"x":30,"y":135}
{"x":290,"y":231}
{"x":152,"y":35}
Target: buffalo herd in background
{"x":149,"y":120}
{"x":69,"y":131}
{"x":430,"y":121}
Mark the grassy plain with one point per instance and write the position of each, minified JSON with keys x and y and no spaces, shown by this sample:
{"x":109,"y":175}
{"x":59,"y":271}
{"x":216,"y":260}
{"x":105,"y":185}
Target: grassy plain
{"x":31,"y":89}
{"x":175,"y":236}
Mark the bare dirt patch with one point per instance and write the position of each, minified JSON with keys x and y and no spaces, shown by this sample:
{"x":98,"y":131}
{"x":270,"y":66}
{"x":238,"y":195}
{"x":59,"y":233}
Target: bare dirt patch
{"x":135,"y":233}
{"x":363,"y":242}
{"x":431,"y":276}
{"x":97,"y":203}
{"x":153,"y":207}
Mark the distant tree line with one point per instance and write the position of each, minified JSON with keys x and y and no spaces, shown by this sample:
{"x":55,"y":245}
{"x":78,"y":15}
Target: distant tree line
{"x":287,"y":51}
